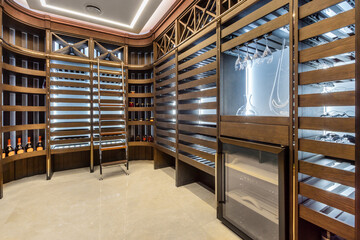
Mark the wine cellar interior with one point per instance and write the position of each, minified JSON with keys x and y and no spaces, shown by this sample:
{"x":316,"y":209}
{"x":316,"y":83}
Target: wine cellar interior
{"x":254,"y":100}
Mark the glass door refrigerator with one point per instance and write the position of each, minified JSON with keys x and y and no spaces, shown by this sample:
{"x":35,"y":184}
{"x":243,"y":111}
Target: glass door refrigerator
{"x":252,"y":193}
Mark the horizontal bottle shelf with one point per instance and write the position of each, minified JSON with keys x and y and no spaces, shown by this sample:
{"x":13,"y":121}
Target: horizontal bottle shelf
{"x":325,"y":221}
{"x":140,"y":81}
{"x":140,"y":95}
{"x":140,"y":109}
{"x":140,"y":67}
{"x":24,"y":71}
{"x":8,"y":108}
{"x":199,"y":163}
{"x":327,"y":124}
{"x":23,"y":156}
{"x":23,"y":127}
{"x":140,"y":144}
{"x":166,"y":149}
{"x":135,"y":123}
{"x":19,"y":89}
{"x":337,"y":150}
{"x":69,"y":149}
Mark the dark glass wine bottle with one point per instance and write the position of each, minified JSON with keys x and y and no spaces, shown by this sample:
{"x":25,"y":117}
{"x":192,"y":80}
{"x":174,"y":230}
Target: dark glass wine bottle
{"x":19,"y":149}
{"x":9,"y":150}
{"x":29,"y":147}
{"x":144,"y":138}
{"x":39,"y":145}
{"x":150,"y":138}
{"x":137,"y":139}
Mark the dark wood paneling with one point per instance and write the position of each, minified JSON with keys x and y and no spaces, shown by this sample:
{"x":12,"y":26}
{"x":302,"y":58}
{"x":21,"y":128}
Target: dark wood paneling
{"x":258,"y":132}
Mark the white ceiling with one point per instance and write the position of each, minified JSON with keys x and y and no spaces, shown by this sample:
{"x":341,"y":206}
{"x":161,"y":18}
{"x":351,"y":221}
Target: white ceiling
{"x":119,"y":14}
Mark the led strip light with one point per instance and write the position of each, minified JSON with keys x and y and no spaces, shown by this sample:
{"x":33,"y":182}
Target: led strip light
{"x":133,"y":22}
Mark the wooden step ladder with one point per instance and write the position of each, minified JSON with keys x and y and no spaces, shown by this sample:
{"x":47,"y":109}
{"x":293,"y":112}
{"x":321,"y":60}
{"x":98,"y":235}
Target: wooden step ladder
{"x":106,"y":105}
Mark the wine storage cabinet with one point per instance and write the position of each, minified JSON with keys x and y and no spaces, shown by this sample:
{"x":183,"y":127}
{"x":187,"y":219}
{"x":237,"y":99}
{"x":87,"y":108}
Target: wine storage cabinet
{"x":177,"y":95}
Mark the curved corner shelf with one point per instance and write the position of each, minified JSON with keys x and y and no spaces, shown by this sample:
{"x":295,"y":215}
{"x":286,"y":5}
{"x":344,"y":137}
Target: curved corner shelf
{"x":140,"y":95}
{"x":8,"y":108}
{"x":23,"y":51}
{"x":141,"y":144}
{"x":23,"y":127}
{"x":136,"y":123}
{"x":11,"y":88}
{"x":24,"y":71}
{"x":140,"y":67}
{"x":17,"y":157}
{"x":140,"y":109}
{"x":141,"y":81}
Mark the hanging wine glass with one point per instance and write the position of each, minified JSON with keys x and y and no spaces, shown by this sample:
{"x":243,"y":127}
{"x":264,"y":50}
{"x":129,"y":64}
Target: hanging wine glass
{"x":238,"y":61}
{"x":247,"y":60}
{"x":256,"y":57}
{"x":267,"y":53}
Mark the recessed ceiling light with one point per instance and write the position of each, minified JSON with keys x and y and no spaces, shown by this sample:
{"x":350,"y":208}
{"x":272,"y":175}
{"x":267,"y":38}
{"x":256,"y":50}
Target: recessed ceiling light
{"x":92,"y":9}
{"x":131,"y":25}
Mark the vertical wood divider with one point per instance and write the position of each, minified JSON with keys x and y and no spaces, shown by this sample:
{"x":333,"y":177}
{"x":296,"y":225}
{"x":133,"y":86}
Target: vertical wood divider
{"x":218,"y":159}
{"x":91,"y":56}
{"x":357,"y":121}
{"x":177,"y":39}
{"x":49,"y":170}
{"x":1,"y":117}
{"x":293,"y":189}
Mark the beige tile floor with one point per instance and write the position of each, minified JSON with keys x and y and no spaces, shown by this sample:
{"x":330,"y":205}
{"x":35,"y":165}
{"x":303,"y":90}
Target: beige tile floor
{"x":145,"y":205}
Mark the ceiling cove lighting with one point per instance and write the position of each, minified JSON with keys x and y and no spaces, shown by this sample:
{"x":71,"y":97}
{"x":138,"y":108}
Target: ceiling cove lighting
{"x":133,"y":22}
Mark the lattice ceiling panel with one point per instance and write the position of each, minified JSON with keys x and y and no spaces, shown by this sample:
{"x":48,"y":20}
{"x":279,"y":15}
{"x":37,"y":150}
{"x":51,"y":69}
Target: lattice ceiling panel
{"x":103,"y":53}
{"x":70,"y":46}
{"x":196,"y":18}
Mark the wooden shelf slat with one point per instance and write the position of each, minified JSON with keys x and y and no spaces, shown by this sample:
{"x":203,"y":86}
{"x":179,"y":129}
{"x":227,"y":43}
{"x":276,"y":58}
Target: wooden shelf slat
{"x":328,"y":173}
{"x":337,"y":150}
{"x":25,"y":155}
{"x":328,"y":124}
{"x":327,"y":99}
{"x":326,"y":75}
{"x":326,"y":222}
{"x":141,"y":81}
{"x":328,"y":198}
{"x":8,"y":108}
{"x":337,"y":47}
{"x":23,"y":127}
{"x":197,"y":164}
{"x":24,"y":71}
{"x":29,"y":90}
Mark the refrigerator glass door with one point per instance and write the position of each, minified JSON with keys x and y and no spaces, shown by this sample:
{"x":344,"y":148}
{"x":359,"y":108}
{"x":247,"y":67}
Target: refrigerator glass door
{"x":252,"y":191}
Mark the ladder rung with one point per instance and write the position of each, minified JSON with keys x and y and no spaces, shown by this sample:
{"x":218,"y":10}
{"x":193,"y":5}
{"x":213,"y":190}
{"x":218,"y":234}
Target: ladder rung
{"x":112,"y":133}
{"x":107,"y":164}
{"x":112,"y":148}
{"x":111,"y":72}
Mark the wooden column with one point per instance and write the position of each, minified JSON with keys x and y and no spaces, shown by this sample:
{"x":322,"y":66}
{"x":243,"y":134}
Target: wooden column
{"x":357,"y":121}
{"x":1,"y":117}
{"x":49,"y":170}
{"x":91,"y":56}
{"x":294,"y":35}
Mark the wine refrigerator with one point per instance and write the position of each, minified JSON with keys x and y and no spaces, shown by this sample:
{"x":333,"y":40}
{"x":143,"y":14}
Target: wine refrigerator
{"x":253,"y":189}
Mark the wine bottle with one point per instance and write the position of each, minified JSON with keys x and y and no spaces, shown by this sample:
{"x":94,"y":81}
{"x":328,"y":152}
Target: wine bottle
{"x":3,"y":154}
{"x":137,"y":139}
{"x":150,"y":138}
{"x":144,"y":138}
{"x":19,"y":149}
{"x":9,"y":150}
{"x":29,"y":147}
{"x":39,"y":145}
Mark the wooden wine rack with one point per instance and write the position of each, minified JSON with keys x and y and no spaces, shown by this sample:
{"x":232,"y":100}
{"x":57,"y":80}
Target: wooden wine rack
{"x":315,"y":47}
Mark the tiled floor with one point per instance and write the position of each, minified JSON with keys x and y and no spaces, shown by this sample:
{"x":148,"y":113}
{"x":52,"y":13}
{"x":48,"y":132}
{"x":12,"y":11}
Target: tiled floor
{"x":145,"y":205}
